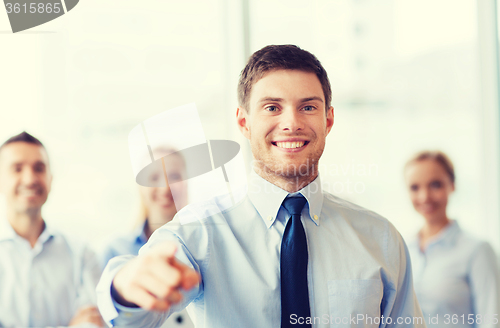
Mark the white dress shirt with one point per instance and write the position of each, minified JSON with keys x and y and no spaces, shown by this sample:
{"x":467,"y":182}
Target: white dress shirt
{"x":456,"y":279}
{"x":359,"y":269}
{"x":44,"y":286}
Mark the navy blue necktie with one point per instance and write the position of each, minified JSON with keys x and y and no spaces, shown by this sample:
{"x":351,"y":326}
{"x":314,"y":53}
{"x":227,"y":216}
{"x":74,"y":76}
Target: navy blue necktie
{"x":294,"y":291}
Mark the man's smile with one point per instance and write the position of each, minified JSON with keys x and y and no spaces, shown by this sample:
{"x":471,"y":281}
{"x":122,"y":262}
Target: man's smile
{"x":287,"y":125}
{"x":290,"y":146}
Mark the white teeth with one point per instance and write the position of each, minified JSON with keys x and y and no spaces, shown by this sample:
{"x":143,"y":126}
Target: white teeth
{"x":295,"y":144}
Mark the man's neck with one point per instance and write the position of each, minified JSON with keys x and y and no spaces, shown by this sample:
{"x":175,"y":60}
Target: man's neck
{"x":290,"y":184}
{"x":28,"y":225}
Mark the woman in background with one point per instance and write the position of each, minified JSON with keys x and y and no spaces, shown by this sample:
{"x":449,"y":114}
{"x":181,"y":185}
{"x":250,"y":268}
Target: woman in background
{"x":167,"y":182}
{"x":456,"y":276}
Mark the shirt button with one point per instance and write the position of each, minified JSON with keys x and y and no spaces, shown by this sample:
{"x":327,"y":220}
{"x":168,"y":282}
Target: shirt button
{"x":270,"y":217}
{"x":316,"y":218}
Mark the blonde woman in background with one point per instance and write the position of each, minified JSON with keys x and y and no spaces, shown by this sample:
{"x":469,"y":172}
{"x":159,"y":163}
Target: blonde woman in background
{"x":456,"y":276}
{"x":157,"y":208}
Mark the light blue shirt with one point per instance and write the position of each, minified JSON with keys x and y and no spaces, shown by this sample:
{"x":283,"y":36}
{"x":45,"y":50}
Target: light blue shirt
{"x":457,"y":275}
{"x":129,"y":243}
{"x":359,"y":269}
{"x":45,"y":285}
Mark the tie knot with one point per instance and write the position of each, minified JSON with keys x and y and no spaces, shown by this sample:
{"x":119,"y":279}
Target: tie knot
{"x":294,"y":205}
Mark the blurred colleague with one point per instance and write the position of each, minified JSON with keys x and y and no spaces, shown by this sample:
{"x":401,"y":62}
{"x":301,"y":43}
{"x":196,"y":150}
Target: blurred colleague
{"x":45,"y":278}
{"x":158,"y":207}
{"x":288,"y":254}
{"x":456,"y":275}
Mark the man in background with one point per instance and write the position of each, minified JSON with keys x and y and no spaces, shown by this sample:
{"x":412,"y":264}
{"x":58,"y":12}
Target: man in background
{"x":45,"y":278}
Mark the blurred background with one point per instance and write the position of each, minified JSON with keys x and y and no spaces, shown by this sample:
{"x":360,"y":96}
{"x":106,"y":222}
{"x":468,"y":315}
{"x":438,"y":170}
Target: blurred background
{"x":406,"y":75}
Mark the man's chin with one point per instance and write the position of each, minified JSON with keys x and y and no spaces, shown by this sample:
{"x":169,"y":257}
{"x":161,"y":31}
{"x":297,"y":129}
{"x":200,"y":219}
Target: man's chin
{"x":28,"y":209}
{"x":293,"y":170}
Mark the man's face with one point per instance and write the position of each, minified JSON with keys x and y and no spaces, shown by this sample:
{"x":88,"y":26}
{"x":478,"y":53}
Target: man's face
{"x":25,"y":177}
{"x":286,"y":123}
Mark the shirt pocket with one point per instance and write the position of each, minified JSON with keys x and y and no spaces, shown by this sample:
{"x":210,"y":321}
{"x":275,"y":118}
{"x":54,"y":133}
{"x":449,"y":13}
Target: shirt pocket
{"x":355,"y":303}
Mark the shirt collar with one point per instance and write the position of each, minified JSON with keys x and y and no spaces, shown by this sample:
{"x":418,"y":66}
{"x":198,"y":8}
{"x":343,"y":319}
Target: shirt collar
{"x":267,"y":198}
{"x":46,"y":234}
{"x":446,"y":236}
{"x":8,"y":233}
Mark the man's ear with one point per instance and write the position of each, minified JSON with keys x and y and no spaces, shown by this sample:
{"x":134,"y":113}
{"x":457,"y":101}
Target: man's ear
{"x":243,"y":122}
{"x":329,"y":119}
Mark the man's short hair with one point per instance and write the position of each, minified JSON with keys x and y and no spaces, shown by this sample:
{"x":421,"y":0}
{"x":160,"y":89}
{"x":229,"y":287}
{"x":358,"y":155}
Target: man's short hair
{"x":276,"y":57}
{"x":23,"y":137}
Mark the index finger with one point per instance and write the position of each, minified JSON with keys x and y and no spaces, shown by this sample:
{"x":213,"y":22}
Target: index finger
{"x":189,"y":276}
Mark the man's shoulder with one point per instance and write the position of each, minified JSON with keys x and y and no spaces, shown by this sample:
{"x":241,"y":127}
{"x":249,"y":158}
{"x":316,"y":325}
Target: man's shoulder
{"x":213,"y":209}
{"x":362,"y":220}
{"x":77,"y":246}
{"x":351,"y":211}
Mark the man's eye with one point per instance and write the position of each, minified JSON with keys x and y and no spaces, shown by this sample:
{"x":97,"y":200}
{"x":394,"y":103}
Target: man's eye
{"x":309,"y":108}
{"x":436,"y":184}
{"x":413,"y":187}
{"x":39,"y":168}
{"x":271,"y":108}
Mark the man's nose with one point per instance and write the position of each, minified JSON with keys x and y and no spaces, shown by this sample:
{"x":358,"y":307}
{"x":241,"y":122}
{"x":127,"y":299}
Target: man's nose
{"x":29,"y":177}
{"x":291,"y":120}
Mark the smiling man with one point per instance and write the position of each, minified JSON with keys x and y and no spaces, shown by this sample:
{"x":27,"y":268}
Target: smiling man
{"x":289,"y":254}
{"x":286,"y":117}
{"x":45,"y":279}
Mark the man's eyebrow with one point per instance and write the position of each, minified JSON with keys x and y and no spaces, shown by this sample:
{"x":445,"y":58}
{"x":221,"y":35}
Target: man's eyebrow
{"x":22,"y":163}
{"x":303,"y":100}
{"x":311,"y":99}
{"x":266,"y":99}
